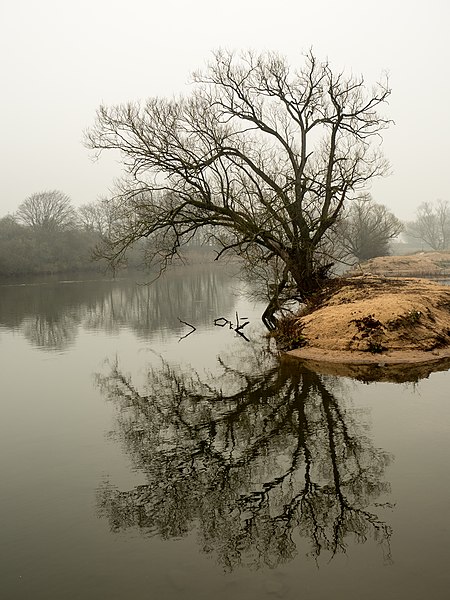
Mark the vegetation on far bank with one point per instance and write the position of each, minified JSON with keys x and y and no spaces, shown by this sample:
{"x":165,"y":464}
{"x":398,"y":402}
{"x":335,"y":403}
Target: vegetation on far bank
{"x":25,"y":250}
{"x":48,"y":235}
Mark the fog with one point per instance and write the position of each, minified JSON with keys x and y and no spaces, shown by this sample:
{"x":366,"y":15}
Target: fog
{"x":61,"y":60}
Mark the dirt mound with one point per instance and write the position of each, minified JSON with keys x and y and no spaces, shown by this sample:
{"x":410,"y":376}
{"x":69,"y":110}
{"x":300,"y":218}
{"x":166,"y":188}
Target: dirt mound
{"x":434,"y":264}
{"x":369,"y":319}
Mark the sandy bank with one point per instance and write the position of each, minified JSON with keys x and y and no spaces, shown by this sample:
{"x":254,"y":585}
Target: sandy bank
{"x":376,"y":321}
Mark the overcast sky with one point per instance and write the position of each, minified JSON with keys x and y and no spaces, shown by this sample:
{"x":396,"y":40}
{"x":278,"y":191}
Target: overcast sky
{"x":61,"y":59}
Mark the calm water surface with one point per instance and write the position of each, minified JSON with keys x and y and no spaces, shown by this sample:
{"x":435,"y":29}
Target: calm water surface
{"x":137,"y":464}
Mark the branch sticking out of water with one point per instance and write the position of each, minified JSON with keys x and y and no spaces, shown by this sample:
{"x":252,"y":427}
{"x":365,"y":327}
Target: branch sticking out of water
{"x":189,"y":332}
{"x":222,"y":321}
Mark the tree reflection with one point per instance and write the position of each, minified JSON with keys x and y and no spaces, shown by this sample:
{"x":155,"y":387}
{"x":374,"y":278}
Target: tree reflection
{"x":196,"y":294}
{"x":251,"y":460}
{"x":51,"y":332}
{"x":50,"y":314}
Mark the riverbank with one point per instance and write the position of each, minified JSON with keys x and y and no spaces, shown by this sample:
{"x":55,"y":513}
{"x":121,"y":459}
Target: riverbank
{"x":421,"y":264}
{"x":371,"y":320}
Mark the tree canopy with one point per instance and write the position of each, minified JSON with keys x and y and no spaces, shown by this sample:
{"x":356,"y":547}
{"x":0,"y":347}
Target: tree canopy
{"x":47,"y":235}
{"x":366,"y":230}
{"x":432,"y":224}
{"x":49,"y":211}
{"x":261,"y":156}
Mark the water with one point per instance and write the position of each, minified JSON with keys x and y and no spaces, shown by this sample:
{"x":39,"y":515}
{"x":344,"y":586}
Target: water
{"x":138,"y":463}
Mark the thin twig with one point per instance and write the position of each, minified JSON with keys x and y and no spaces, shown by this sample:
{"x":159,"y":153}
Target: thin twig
{"x":222,"y":321}
{"x":189,"y":332}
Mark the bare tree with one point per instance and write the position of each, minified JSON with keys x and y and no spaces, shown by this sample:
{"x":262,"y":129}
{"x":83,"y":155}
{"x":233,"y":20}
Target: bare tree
{"x":49,"y":210}
{"x":432,"y":224}
{"x":366,"y":229}
{"x":97,"y":216}
{"x":265,"y":153}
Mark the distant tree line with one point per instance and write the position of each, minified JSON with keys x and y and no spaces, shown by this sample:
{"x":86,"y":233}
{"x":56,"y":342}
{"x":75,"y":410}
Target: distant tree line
{"x":431,"y":228}
{"x":47,"y":234}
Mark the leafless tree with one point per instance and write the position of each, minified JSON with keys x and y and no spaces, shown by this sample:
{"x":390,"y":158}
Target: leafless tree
{"x":97,"y":216}
{"x":268,"y":154}
{"x":432,"y":224}
{"x":366,"y":229}
{"x":49,"y":210}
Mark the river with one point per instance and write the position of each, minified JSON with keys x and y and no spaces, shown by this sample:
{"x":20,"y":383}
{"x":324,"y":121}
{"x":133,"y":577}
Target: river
{"x":141,"y":458}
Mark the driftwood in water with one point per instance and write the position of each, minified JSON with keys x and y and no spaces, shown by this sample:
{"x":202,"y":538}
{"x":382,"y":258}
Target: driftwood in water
{"x":189,"y":332}
{"x":222,"y":321}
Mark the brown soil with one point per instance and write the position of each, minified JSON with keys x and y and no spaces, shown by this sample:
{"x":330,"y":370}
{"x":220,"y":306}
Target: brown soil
{"x":434,"y":264}
{"x":375,"y":321}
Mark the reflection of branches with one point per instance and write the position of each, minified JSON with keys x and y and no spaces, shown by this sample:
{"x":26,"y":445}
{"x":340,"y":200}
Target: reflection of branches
{"x":54,"y":332}
{"x":50,"y":314}
{"x":249,"y":458}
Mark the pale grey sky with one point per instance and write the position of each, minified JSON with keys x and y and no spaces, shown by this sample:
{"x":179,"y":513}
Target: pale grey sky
{"x":61,"y":59}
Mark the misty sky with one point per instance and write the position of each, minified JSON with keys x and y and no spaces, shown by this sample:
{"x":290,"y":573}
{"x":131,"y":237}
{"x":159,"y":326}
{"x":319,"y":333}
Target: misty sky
{"x":60,"y":60}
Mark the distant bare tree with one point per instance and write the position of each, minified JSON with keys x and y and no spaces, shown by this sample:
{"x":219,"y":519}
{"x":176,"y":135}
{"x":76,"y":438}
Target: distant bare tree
{"x":366,"y":229}
{"x":96,"y":216}
{"x":266,"y":153}
{"x":432,"y":224}
{"x":50,"y":210}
